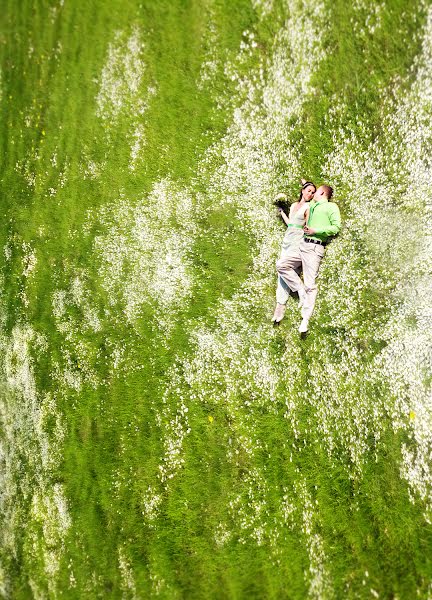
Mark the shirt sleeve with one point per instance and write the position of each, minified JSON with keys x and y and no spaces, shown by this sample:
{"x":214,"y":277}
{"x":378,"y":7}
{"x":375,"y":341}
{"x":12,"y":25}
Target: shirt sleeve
{"x":334,"y":222}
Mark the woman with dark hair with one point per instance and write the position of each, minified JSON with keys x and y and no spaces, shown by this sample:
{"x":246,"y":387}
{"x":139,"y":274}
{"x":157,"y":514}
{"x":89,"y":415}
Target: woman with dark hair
{"x":298,"y":216}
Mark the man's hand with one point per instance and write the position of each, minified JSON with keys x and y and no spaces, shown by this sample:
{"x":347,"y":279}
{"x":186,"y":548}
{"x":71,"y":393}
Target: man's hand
{"x":309,"y":230}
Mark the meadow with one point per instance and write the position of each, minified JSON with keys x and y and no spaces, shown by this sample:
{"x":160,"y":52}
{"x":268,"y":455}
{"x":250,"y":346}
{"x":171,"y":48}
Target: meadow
{"x":159,"y":438}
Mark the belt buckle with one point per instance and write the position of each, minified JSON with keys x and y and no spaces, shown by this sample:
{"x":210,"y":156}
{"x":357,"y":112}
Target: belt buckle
{"x":311,"y":241}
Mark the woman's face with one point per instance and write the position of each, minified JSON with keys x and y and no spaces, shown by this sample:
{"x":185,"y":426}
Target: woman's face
{"x":308,"y":193}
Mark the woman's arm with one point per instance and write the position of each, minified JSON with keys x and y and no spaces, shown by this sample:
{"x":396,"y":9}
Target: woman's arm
{"x":283,"y":215}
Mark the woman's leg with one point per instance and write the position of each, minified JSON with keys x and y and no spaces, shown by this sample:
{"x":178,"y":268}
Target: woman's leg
{"x":282,"y":291}
{"x":287,"y":269}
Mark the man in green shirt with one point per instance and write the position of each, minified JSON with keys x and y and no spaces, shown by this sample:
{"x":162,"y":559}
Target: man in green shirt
{"x":324,"y":221}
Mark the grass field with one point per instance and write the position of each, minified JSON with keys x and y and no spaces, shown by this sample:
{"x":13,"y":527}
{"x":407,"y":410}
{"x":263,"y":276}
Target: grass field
{"x":159,"y":438}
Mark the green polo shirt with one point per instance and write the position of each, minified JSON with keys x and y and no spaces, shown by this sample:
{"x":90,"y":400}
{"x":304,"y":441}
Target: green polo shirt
{"x":324,"y":217}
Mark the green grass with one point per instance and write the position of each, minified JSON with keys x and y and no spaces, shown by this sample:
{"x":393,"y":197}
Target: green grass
{"x":357,"y":73}
{"x":113,"y":442}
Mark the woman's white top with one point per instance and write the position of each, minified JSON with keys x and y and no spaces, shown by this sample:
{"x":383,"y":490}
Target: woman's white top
{"x":294,"y":232}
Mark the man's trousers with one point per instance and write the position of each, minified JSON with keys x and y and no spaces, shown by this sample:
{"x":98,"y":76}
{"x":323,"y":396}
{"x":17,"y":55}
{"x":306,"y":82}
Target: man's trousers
{"x":309,"y":260}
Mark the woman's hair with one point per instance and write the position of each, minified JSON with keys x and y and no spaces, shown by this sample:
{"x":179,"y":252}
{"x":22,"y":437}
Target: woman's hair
{"x":304,"y":186}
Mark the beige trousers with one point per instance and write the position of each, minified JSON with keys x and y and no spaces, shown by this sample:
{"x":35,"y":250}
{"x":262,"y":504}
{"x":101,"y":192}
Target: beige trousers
{"x":283,"y":291}
{"x":309,"y":260}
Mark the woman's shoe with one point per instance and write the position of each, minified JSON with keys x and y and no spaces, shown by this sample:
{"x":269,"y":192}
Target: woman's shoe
{"x":278,"y":313}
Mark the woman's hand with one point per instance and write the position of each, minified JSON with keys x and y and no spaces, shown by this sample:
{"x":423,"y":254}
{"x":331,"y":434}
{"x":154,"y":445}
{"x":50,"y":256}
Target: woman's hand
{"x":309,"y":230}
{"x":283,"y":215}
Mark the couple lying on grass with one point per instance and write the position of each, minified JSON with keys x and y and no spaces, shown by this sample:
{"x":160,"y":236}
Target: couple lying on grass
{"x":311,"y":223}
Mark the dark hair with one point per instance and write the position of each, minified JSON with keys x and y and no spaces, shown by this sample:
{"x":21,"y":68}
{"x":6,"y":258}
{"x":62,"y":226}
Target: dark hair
{"x":304,"y":186}
{"x":328,"y":191}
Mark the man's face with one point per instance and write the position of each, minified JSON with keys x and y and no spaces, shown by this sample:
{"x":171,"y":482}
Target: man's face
{"x":308,"y":193}
{"x":319,"y":194}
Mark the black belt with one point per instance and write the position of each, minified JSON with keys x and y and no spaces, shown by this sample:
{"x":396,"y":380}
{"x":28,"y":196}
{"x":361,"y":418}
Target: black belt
{"x":311,"y":241}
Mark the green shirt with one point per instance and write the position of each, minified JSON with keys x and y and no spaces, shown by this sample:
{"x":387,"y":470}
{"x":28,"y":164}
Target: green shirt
{"x":324,"y":217}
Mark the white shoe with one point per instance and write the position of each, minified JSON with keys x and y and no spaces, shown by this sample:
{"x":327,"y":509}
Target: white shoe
{"x":279,"y":313}
{"x":302,"y":297}
{"x":304,"y":326}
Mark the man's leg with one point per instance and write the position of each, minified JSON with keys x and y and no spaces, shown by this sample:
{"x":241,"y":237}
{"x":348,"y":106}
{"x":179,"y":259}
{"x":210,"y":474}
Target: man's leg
{"x":311,"y":255}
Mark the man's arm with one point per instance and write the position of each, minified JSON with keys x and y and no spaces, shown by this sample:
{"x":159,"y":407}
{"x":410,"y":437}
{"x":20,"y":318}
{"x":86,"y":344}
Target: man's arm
{"x":334,"y":223}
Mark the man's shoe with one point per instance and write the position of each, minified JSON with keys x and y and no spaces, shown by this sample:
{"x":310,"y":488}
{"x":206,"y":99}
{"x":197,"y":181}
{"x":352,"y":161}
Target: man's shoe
{"x":278,"y":313}
{"x":304,"y":326}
